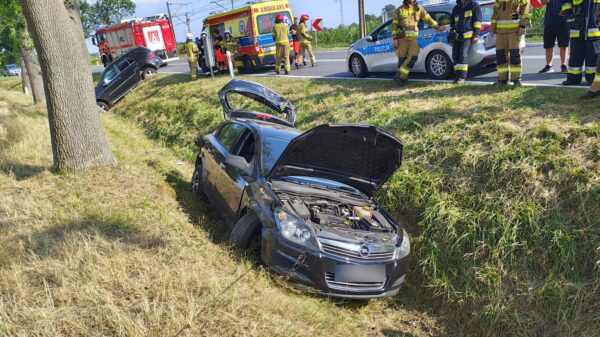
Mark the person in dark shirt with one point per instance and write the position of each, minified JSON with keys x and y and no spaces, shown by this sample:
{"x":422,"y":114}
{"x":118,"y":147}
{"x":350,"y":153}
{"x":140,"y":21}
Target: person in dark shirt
{"x":295,"y":41}
{"x":555,"y":28}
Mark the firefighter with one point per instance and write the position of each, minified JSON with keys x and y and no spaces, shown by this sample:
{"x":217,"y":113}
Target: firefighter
{"x":281,"y":35}
{"x":305,"y":45}
{"x":584,"y":30}
{"x":595,"y":89}
{"x":509,"y":19}
{"x":465,"y":22}
{"x":229,"y":44}
{"x":191,"y":52}
{"x":406,"y":31}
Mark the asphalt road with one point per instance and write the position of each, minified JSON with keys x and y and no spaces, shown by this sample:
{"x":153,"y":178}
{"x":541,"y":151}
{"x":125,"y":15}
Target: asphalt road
{"x":332,"y":64}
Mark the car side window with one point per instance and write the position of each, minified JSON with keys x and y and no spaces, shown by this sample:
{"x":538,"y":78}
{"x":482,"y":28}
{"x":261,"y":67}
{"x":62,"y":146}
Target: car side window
{"x":110,"y":74}
{"x":385,"y":32}
{"x":246,"y":146}
{"x":442,"y":18}
{"x":123,"y":64}
{"x":229,"y":134}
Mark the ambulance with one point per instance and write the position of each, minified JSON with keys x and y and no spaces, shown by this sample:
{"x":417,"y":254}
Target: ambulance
{"x":251,"y":26}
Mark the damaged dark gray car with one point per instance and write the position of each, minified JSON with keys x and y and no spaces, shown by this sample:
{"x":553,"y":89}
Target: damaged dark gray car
{"x":304,"y":200}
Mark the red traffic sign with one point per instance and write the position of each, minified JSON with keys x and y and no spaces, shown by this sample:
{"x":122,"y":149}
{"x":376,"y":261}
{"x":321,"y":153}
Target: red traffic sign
{"x":317,"y":24}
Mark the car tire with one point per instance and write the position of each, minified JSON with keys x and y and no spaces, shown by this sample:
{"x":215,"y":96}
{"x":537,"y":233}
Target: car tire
{"x":196,"y":183}
{"x":147,"y":72}
{"x":248,"y":65}
{"x":246,"y":233}
{"x":358,"y":67}
{"x":438,"y":65}
{"x":103,"y":106}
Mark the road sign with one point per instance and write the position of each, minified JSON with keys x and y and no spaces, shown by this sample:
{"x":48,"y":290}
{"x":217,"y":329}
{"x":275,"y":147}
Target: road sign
{"x":318,"y":24}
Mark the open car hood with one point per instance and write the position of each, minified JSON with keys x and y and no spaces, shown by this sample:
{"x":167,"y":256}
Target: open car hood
{"x":260,"y":94}
{"x":361,"y":156}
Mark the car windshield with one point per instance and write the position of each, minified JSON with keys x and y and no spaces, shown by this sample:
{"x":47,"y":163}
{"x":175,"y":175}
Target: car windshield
{"x":11,"y":66}
{"x":272,"y":148}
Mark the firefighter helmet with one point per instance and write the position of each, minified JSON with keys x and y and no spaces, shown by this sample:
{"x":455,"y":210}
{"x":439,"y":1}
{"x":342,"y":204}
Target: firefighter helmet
{"x":304,"y":17}
{"x":279,"y":17}
{"x":189,"y":36}
{"x":227,"y":32}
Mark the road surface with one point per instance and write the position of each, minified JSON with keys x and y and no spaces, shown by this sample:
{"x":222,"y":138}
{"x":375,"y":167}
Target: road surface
{"x":332,"y":64}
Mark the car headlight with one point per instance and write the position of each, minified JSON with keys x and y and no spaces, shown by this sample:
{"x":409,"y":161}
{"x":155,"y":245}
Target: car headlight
{"x":404,"y":248}
{"x":295,"y":229}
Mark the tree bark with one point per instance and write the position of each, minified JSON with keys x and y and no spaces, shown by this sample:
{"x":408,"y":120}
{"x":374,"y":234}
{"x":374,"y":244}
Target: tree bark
{"x":76,"y":133}
{"x":33,"y":70}
{"x":25,"y":77}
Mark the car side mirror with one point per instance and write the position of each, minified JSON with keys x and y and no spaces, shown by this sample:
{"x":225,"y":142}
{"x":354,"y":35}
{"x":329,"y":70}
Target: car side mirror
{"x":370,"y":38}
{"x":200,"y":142}
{"x":239,"y":163}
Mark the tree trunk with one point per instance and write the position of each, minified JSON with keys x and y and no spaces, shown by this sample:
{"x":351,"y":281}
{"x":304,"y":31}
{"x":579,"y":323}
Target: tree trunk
{"x":33,"y":70}
{"x":74,"y":10}
{"x":77,"y":137}
{"x":25,"y":77}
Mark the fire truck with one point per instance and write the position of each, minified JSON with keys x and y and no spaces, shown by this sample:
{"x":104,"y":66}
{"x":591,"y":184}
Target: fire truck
{"x":153,"y":32}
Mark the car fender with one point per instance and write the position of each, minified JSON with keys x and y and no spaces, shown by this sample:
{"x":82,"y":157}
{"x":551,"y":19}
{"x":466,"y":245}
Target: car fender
{"x":357,"y":48}
{"x":248,"y":202}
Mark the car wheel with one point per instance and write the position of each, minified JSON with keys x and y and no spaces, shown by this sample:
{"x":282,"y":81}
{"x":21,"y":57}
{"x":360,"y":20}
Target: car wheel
{"x":248,"y":65}
{"x":196,"y":184}
{"x":147,"y":72}
{"x":358,"y":66}
{"x":102,"y":106}
{"x":439,"y":65}
{"x":247,"y":233}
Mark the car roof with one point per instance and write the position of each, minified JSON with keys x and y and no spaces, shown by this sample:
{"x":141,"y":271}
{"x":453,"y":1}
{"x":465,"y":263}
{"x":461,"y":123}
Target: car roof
{"x":268,"y":129}
{"x":449,"y":5}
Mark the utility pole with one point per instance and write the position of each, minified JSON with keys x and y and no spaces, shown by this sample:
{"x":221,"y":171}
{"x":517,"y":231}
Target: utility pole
{"x":172,"y":27}
{"x":361,"y":18}
{"x":187,"y":22}
{"x":342,"y":11}
{"x":231,"y":4}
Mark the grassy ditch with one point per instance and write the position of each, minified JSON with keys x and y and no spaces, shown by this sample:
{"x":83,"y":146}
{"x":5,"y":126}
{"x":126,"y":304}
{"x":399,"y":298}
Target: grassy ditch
{"x":130,"y":252}
{"x":499,"y":189}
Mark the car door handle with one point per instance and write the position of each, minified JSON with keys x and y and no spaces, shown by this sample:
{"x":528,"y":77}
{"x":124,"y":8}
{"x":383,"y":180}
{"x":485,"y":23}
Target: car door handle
{"x":222,"y":166}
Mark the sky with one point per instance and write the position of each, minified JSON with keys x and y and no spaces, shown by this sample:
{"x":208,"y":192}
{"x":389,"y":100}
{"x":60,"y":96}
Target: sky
{"x":328,"y":10}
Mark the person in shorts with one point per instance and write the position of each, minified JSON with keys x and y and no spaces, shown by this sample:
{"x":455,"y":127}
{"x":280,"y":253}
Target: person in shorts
{"x":555,"y":29}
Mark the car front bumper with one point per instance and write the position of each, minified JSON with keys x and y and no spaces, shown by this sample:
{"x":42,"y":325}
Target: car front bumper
{"x":316,"y":269}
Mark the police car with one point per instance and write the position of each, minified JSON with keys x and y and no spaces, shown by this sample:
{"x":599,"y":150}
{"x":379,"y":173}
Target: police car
{"x":375,"y":53}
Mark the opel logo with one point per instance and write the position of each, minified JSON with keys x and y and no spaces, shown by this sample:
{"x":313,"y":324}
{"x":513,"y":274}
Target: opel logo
{"x":364,"y":251}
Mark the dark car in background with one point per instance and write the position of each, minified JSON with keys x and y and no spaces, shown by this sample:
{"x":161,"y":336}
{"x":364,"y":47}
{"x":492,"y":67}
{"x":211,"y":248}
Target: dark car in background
{"x":123,"y":74}
{"x":304,"y":201}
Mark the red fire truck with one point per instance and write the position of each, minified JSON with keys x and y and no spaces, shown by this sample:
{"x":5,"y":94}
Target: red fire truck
{"x":153,"y":33}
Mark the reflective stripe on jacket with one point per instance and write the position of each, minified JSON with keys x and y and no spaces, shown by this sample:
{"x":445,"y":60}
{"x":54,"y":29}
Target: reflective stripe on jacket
{"x":406,"y":21}
{"x":281,"y":33}
{"x":590,"y":30}
{"x":303,"y":35}
{"x":191,"y":51}
{"x":466,"y":19}
{"x":509,"y":15}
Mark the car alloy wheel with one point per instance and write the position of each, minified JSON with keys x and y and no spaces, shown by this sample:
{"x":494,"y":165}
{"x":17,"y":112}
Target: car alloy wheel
{"x":358,"y":66}
{"x":148,"y":72}
{"x":196,"y":183}
{"x":102,"y":106}
{"x":439,"y":65}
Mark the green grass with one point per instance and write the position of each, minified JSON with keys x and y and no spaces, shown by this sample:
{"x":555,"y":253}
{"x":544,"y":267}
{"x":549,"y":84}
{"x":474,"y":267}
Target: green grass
{"x":499,"y":189}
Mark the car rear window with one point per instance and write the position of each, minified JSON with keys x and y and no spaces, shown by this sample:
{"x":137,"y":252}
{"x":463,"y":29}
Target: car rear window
{"x":266,"y":22}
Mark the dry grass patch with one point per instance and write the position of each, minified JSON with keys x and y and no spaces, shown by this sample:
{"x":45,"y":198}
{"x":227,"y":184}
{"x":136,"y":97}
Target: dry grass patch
{"x":130,"y":252}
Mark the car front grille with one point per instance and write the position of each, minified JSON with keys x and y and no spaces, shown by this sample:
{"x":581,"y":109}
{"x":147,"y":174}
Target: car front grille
{"x":354,"y":253}
{"x":330,"y":279}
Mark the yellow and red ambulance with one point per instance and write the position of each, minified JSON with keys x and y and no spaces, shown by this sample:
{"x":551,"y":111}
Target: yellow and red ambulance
{"x":252,"y":26}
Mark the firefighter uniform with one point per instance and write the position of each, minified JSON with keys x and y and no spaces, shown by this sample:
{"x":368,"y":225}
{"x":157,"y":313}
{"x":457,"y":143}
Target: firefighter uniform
{"x":406,"y":31}
{"x":229,"y":44}
{"x":466,"y":22}
{"x":191,"y":52}
{"x":508,"y":17}
{"x":585,"y":40}
{"x":305,"y":45}
{"x":281,"y":35}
